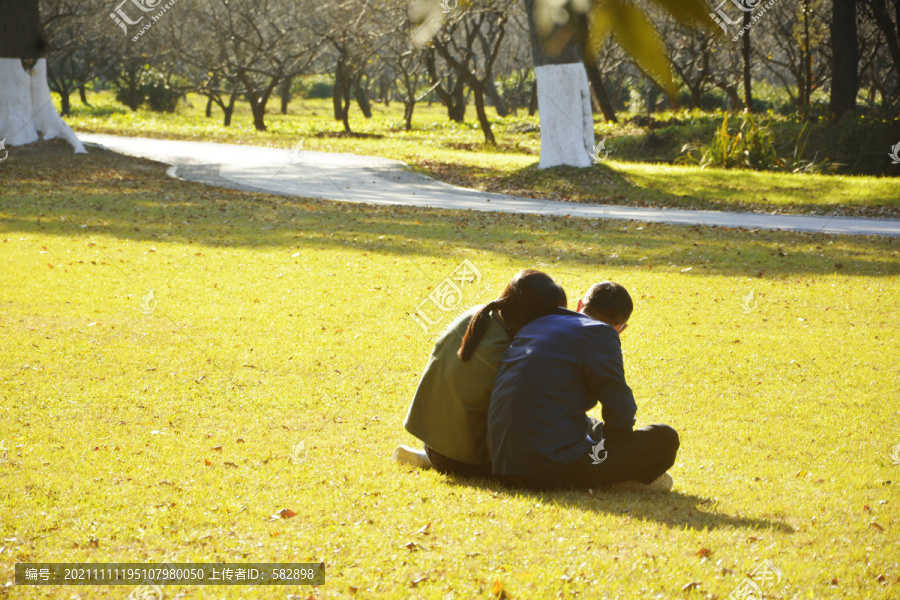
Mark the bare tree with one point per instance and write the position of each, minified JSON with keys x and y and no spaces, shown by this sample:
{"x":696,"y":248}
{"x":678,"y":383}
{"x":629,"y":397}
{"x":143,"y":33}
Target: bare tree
{"x":254,"y":45}
{"x":470,"y":43}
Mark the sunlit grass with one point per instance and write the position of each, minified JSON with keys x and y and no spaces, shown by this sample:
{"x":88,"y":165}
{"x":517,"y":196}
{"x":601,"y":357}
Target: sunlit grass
{"x":159,"y":429}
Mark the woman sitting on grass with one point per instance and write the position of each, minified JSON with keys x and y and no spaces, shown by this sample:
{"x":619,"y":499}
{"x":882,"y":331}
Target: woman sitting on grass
{"x":449,"y":411}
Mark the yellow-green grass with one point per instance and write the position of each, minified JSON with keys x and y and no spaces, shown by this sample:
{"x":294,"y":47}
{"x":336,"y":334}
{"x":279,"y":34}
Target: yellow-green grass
{"x":276,"y":321}
{"x":456,"y":153}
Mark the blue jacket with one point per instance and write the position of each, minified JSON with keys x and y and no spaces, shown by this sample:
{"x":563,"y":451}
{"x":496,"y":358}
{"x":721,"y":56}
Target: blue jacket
{"x":556,"y":369}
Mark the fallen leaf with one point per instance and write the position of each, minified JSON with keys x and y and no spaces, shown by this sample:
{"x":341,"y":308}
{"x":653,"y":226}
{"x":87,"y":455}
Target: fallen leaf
{"x":497,"y":590}
{"x":286,"y":513}
{"x":207,"y":462}
{"x":691,"y":586}
{"x":704,"y":552}
{"x":876,"y":526}
{"x":424,"y":529}
{"x":217,"y":448}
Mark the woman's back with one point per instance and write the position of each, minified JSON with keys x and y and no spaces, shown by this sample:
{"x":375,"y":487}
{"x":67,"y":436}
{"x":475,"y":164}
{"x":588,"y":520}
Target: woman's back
{"x":449,"y":411}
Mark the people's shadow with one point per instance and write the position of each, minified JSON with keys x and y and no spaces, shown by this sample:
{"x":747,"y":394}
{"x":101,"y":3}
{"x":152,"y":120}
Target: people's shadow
{"x":675,"y":509}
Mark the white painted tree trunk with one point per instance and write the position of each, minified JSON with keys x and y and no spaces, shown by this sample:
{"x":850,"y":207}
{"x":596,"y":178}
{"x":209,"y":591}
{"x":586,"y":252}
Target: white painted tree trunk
{"x":27,"y":112}
{"x":567,"y":119}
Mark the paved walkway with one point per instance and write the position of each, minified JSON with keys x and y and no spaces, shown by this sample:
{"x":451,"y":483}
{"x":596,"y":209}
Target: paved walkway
{"x":351,"y":178}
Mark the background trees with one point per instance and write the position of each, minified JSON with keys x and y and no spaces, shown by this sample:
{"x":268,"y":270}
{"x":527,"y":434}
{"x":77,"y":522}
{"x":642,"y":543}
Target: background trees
{"x":812,"y":58}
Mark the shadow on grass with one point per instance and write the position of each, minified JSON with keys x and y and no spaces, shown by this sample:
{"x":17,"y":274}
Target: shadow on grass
{"x":45,"y":189}
{"x":674,"y":509}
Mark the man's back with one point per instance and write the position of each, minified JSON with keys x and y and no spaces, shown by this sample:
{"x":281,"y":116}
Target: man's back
{"x":556,"y":369}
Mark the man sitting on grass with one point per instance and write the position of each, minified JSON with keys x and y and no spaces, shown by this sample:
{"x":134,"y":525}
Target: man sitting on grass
{"x":556,"y":369}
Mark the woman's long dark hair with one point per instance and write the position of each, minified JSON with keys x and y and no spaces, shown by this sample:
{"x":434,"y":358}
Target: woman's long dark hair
{"x":530,"y":294}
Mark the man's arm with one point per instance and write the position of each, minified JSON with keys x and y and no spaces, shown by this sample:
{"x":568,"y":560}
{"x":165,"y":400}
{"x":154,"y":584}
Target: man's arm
{"x":605,"y":376}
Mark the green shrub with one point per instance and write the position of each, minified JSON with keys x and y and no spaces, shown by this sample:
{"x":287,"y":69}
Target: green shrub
{"x":159,"y":93}
{"x":315,"y":86}
{"x":153,"y":90}
{"x":753,"y":146}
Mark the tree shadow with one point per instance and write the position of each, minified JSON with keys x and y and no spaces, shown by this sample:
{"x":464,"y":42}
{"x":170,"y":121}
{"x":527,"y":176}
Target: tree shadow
{"x":46,"y":189}
{"x":674,"y":509}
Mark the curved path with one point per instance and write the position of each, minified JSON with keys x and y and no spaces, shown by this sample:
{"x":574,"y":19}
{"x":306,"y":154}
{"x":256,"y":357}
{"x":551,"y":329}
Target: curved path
{"x":351,"y":178}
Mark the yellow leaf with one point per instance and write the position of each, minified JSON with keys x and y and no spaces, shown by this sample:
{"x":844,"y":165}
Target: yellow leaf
{"x":689,"y":12}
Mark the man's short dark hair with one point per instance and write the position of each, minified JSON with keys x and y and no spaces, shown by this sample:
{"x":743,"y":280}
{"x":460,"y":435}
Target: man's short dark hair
{"x":609,"y":302}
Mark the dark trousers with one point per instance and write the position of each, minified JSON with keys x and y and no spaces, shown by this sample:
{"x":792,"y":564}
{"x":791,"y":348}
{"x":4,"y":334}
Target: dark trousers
{"x":643,"y":455}
{"x":448,"y":466}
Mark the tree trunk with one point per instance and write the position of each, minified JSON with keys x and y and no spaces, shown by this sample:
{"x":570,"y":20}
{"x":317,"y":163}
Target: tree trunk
{"x":64,"y":100}
{"x":82,"y":94}
{"x":27,"y":112}
{"x":696,"y":97}
{"x":806,"y":54}
{"x":345,"y":111}
{"x":338,"y":89}
{"x":733,"y":96}
{"x":26,"y":107}
{"x":890,"y":28}
{"x":491,"y":92}
{"x":209,"y":103}
{"x":596,"y":80}
{"x":532,"y":103}
{"x":408,"y":108}
{"x":482,"y":118}
{"x":284,"y":91}
{"x":20,"y":30}
{"x":564,"y":101}
{"x":258,"y":108}
{"x":457,"y":107}
{"x":745,"y":53}
{"x":229,"y":110}
{"x":362,"y":98}
{"x":452,"y":98}
{"x":845,"y":59}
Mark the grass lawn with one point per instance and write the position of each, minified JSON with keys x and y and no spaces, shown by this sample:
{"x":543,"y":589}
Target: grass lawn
{"x":274,"y":362}
{"x":455,"y":153}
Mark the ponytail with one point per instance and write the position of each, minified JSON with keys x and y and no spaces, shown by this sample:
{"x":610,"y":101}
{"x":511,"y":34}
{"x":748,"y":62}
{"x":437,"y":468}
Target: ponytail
{"x":530,"y":294}
{"x":477,"y":327}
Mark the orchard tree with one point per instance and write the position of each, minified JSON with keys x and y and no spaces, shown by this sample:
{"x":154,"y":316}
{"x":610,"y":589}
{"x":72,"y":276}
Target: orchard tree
{"x":26,"y":108}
